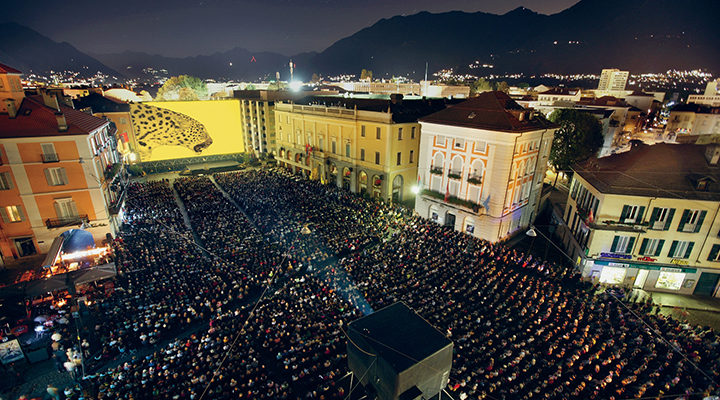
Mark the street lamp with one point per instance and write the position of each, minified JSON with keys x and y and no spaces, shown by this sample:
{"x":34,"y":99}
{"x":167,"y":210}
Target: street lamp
{"x":415,"y":189}
{"x":533,"y":234}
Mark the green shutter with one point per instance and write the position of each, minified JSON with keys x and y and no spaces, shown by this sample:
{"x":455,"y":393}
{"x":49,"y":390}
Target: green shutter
{"x":58,"y":210}
{"x":630,"y":245}
{"x":624,"y":213}
{"x":614,"y":244}
{"x":683,"y":220}
{"x":689,"y":249}
{"x":48,"y":177}
{"x":673,"y":246}
{"x":660,"y":245}
{"x":700,"y":220}
{"x":20,"y":213}
{"x":595,"y":208}
{"x":640,"y":215}
{"x":669,"y":219}
{"x":643,"y":246}
{"x":4,"y":215}
{"x":714,"y":252}
{"x":653,"y":216}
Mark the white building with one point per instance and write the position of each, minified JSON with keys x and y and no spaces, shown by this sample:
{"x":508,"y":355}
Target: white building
{"x":710,"y":98}
{"x":482,"y":164}
{"x":613,"y":79}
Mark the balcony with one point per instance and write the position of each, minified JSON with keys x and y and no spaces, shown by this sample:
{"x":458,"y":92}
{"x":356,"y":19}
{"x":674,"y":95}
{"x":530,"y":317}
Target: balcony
{"x":50,"y":157}
{"x":65,"y":221}
{"x":452,"y":200}
{"x":111,"y":171}
{"x":436,"y":170}
{"x":454,"y":174}
{"x":611,"y":225}
{"x":474,"y":179}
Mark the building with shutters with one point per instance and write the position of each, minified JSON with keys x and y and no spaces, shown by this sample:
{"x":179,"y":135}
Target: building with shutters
{"x":647,"y":218}
{"x":365,"y":144}
{"x":57,"y":168}
{"x":482,"y":164}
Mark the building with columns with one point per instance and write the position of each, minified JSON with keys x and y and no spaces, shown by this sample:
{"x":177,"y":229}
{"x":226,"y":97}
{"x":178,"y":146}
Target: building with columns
{"x":57,"y":166}
{"x":482,"y":164}
{"x":365,"y":145}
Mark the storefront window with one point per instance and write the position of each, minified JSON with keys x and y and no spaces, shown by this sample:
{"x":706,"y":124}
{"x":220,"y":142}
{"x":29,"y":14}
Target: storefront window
{"x":612,"y":275}
{"x":670,"y":280}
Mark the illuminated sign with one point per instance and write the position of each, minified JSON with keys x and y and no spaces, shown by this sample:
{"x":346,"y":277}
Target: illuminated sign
{"x":616,"y":255}
{"x":679,"y":262}
{"x":646,"y":258}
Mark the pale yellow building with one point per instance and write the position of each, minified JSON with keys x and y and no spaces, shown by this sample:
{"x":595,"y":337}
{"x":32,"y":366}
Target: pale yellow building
{"x":647,"y":218}
{"x":363,"y":145}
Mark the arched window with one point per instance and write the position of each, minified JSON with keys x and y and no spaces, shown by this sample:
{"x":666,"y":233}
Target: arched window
{"x":362,"y":181}
{"x":438,"y":160}
{"x":397,"y":188}
{"x":476,"y":171}
{"x":457,"y":165}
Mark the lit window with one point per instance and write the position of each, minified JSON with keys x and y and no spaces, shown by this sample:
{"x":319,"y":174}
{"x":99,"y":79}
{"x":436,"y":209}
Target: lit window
{"x":670,"y":280}
{"x":12,"y":214}
{"x":612,"y":275}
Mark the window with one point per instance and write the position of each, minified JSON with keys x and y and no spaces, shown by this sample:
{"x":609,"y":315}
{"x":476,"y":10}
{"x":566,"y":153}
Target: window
{"x":48,"y":152}
{"x":12,"y":214}
{"x":65,"y":208}
{"x":399,"y":158}
{"x":651,"y":247}
{"x":714,"y":253}
{"x":321,"y":143}
{"x":660,"y":218}
{"x":362,"y":154}
{"x":399,"y":133}
{"x":530,"y":167}
{"x":334,"y":147}
{"x":412,"y":132}
{"x":680,"y":249}
{"x":377,"y":158}
{"x":6,"y":182}
{"x":670,"y":280}
{"x":622,"y":244}
{"x":412,"y":156}
{"x":459,"y":143}
{"x":632,"y":214}
{"x":56,"y":176}
{"x":362,"y":130}
{"x":612,"y":275}
{"x":691,"y":220}
{"x":347,"y":149}
{"x":377,"y":133}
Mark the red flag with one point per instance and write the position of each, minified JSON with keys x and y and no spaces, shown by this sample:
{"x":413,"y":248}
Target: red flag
{"x":590,"y":217}
{"x":447,"y":191}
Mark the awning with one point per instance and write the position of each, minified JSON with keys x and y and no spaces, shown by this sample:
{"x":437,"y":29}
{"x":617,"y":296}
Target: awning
{"x":98,"y":273}
{"x":54,"y":252}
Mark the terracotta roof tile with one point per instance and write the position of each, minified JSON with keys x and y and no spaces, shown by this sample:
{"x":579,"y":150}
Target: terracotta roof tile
{"x":34,"y":119}
{"x":6,"y":69}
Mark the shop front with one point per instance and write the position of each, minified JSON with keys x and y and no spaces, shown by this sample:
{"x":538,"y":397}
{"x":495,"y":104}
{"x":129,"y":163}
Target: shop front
{"x":642,"y":273}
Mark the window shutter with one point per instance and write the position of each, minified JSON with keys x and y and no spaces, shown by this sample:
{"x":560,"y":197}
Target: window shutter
{"x":700,"y":220}
{"x":3,"y":213}
{"x":643,"y":246}
{"x":640,"y":214}
{"x":63,"y":176}
{"x":714,"y":252}
{"x":653,"y":216}
{"x":625,"y":212}
{"x":595,"y":208}
{"x":689,"y":249}
{"x":58,"y":210}
{"x":683,"y":220}
{"x":673,"y":246}
{"x":614,"y":244}
{"x":629,"y":248}
{"x":48,"y":176}
{"x":20,"y":213}
{"x":73,"y":207}
{"x":7,"y":180}
{"x":660,"y":245}
{"x":668,"y":219}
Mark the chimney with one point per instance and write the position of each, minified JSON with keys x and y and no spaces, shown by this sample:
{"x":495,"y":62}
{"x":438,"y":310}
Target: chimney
{"x":61,"y":121}
{"x":11,"y":109}
{"x":50,"y":99}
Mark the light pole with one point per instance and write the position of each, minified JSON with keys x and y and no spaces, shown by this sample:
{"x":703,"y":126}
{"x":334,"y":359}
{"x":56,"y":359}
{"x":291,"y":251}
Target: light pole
{"x":533,"y":234}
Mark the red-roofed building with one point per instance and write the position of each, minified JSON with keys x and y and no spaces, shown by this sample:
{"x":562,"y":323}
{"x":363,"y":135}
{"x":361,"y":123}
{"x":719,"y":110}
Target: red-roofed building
{"x":57,"y":166}
{"x":481,"y":165}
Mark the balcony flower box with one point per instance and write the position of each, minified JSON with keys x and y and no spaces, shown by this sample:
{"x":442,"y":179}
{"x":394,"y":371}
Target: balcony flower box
{"x":475,"y":180}
{"x":436,"y":171}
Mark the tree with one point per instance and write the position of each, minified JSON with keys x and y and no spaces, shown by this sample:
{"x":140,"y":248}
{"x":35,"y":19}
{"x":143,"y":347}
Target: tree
{"x":183,"y":87}
{"x":579,"y":138}
{"x":502,"y":87}
{"x":366,"y":74}
{"x":250,"y":86}
{"x":479,"y":86}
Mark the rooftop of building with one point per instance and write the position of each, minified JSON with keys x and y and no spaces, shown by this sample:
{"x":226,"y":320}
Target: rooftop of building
{"x":100,"y":104}
{"x":561,"y":91}
{"x":604,"y":101}
{"x":403,"y":109}
{"x":6,"y":69}
{"x":494,"y":111}
{"x":661,"y":170}
{"x":696,"y":108}
{"x":35,"y":119}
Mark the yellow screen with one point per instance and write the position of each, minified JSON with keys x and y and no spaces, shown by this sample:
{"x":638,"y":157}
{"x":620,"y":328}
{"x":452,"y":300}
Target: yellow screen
{"x":178,"y":129}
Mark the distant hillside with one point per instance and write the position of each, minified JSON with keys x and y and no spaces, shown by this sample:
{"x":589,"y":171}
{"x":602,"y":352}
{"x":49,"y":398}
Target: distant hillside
{"x":639,"y":35}
{"x":29,"y":51}
{"x":237,"y":63}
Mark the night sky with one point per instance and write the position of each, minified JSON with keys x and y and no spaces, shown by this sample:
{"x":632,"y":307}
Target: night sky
{"x":184,"y":28}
